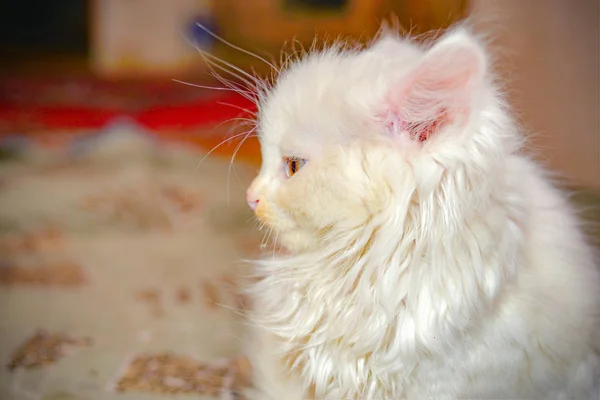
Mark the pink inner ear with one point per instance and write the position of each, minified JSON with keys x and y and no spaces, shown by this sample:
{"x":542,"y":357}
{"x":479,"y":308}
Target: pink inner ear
{"x":420,"y":131}
{"x":439,"y":91}
{"x":438,"y":81}
{"x":424,"y":132}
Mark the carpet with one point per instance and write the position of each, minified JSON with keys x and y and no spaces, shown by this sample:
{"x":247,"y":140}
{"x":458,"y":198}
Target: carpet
{"x":120,"y":268}
{"x":45,"y":103}
{"x":58,"y":110}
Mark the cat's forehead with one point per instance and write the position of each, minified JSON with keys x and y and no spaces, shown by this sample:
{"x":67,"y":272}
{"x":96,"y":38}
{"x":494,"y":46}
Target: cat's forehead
{"x":326,"y":97}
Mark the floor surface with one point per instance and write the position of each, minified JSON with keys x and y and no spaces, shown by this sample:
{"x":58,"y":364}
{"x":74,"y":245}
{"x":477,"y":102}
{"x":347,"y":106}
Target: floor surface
{"x":119,"y":271}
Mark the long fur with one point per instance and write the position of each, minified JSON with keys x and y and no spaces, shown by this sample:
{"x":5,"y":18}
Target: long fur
{"x":417,"y":266}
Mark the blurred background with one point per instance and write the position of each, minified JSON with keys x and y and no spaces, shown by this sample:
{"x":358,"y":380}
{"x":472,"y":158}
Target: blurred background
{"x":117,"y":56}
{"x":120,"y":240}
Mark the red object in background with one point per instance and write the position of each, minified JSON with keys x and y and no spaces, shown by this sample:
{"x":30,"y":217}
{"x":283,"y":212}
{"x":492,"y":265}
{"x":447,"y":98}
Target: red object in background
{"x":33,"y":105}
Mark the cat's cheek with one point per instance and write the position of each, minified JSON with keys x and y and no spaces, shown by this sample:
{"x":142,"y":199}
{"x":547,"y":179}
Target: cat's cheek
{"x":297,"y":207}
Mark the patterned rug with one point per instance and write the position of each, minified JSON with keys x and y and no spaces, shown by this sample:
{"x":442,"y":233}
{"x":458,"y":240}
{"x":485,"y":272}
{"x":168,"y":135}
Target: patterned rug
{"x":120,"y":265}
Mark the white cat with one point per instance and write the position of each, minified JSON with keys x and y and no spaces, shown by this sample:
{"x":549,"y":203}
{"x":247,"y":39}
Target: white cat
{"x":426,"y":256}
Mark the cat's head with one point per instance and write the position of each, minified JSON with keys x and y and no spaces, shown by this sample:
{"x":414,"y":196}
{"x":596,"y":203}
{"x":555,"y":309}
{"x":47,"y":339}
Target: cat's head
{"x":348,"y":134}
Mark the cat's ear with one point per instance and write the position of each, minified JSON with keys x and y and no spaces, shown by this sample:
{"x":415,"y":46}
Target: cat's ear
{"x":441,"y":89}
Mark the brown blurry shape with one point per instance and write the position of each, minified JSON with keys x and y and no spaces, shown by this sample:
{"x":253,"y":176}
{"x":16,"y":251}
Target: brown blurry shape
{"x":172,"y":374}
{"x":250,"y":246}
{"x":185,"y":202}
{"x":45,"y":239}
{"x":243,"y":368}
{"x":211,"y":295}
{"x":65,"y":274}
{"x":141,"y":206}
{"x":42,"y":349}
{"x":234,"y":287}
{"x":184,"y":295}
{"x":152,"y":297}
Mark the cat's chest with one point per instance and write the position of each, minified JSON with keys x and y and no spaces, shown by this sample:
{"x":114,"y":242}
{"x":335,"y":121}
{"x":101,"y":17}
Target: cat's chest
{"x":314,"y":341}
{"x":330,"y":371}
{"x":329,"y":342}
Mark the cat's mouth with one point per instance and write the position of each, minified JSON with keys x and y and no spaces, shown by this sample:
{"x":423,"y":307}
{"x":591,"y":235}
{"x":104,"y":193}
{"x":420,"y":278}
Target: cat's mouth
{"x":283,"y":231}
{"x":273,"y":217}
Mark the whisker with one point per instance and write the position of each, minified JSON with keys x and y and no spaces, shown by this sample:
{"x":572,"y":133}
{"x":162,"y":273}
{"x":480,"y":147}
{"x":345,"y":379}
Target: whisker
{"x":248,"y":95}
{"x":227,"y":83}
{"x":243,"y":121}
{"x":239,"y":108}
{"x":203,"y":86}
{"x":275,"y":243}
{"x":257,"y":84}
{"x":233,"y":46}
{"x":233,"y":67}
{"x":216,"y":147}
{"x":248,"y":135}
{"x":233,"y":85}
{"x":262,"y":242}
{"x":245,"y":133}
{"x":209,"y":59}
{"x":254,"y":90}
{"x":267,"y":238}
{"x":248,"y":90}
{"x":250,"y":122}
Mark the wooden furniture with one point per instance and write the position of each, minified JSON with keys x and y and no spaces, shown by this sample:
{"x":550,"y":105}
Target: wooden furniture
{"x":138,"y":38}
{"x":267,"y":26}
{"x":267,"y":23}
{"x":141,"y":38}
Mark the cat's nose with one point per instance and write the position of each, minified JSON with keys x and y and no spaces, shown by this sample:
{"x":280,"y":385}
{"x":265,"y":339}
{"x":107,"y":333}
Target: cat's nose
{"x":252,"y":201}
{"x":253,"y":204}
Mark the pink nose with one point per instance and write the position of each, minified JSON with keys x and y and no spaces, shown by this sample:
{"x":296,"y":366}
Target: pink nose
{"x":252,"y":201}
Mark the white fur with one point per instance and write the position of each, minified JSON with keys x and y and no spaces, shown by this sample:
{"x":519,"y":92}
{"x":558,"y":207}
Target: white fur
{"x":447,"y":268}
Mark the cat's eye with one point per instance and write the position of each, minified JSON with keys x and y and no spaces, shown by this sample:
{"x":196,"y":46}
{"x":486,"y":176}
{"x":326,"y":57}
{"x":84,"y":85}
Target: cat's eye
{"x":293,"y":165}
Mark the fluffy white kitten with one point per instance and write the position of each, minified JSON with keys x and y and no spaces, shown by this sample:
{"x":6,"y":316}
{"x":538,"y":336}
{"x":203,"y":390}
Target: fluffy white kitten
{"x":427,"y":257}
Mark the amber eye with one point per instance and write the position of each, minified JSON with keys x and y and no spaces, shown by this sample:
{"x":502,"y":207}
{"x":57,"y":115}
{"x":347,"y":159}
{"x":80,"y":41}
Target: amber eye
{"x":293,"y":165}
